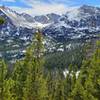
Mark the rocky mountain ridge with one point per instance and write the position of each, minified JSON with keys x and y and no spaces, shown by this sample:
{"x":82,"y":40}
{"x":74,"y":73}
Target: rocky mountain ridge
{"x":78,"y":24}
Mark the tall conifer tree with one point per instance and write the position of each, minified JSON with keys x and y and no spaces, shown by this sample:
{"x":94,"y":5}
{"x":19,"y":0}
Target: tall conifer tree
{"x":35,"y":83}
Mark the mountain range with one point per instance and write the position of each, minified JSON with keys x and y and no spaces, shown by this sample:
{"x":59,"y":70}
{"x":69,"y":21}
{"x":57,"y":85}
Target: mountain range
{"x":77,"y":24}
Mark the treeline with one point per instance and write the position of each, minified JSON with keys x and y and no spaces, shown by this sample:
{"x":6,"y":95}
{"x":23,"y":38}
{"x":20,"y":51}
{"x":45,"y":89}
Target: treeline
{"x":30,"y":81}
{"x":61,"y":60}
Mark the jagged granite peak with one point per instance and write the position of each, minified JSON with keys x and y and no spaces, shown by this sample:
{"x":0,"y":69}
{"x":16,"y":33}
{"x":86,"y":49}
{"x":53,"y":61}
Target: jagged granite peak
{"x":49,"y":18}
{"x":53,"y":17}
{"x":28,"y":17}
{"x":89,"y":10}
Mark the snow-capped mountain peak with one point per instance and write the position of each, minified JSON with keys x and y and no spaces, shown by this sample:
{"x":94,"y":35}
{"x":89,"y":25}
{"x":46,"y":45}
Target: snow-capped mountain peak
{"x":81,"y":23}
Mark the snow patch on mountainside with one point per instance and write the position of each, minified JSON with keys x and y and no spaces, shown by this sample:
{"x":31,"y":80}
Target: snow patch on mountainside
{"x":73,"y":14}
{"x":39,"y":25}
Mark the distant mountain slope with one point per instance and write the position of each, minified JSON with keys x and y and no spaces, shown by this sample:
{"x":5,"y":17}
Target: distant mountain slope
{"x":77,"y":24}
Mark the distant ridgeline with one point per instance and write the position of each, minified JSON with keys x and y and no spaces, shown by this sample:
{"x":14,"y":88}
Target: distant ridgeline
{"x":61,"y":32}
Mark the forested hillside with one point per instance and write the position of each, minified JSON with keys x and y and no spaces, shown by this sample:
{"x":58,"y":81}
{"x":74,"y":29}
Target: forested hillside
{"x":31,"y":79}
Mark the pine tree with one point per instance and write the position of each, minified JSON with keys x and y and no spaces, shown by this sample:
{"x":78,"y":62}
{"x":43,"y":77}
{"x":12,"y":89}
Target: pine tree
{"x":55,"y":83}
{"x":87,"y":85}
{"x":70,"y":81}
{"x":79,"y":92}
{"x":6,"y":83}
{"x":35,"y":83}
{"x":92,"y":83}
{"x":3,"y":75}
{"x":59,"y":87}
{"x":1,"y":21}
{"x":8,"y":90}
{"x":50,"y":86}
{"x":19,"y":78}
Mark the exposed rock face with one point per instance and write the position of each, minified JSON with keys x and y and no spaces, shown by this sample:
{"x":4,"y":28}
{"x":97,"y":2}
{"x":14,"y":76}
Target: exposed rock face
{"x":16,"y":33}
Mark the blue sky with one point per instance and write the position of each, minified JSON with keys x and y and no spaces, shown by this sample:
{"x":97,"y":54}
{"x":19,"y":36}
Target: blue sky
{"x":36,"y":7}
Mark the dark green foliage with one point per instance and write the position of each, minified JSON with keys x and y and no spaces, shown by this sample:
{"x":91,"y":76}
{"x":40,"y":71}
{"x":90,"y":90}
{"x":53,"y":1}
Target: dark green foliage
{"x":87,"y":86}
{"x":1,"y":21}
{"x":3,"y":75}
{"x":35,"y":84}
{"x":64,"y":59}
{"x":19,"y":76}
{"x":55,"y":84}
{"x":6,"y":84}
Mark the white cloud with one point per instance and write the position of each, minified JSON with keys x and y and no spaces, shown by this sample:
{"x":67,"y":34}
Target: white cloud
{"x":47,"y":8}
{"x":43,"y":9}
{"x":32,"y":2}
{"x":38,"y":7}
